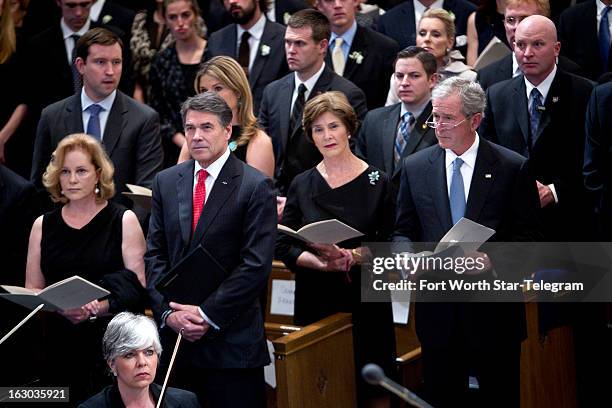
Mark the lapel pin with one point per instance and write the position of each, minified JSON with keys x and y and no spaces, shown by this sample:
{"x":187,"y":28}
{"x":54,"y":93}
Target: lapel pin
{"x":555,"y":99}
{"x":224,"y":182}
{"x":424,"y":126}
{"x":488,"y":175}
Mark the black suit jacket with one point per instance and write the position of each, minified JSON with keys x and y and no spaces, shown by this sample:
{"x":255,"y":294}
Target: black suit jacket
{"x":507,"y":201}
{"x":376,"y":138}
{"x":557,"y":155}
{"x":502,"y":70}
{"x":238,"y":227}
{"x":598,"y":157}
{"x":579,"y":42}
{"x":398,"y":23}
{"x":287,"y":7}
{"x":372,"y":73}
{"x":131,"y":139}
{"x":110,"y":397}
{"x":266,"y":68}
{"x":274,"y":118}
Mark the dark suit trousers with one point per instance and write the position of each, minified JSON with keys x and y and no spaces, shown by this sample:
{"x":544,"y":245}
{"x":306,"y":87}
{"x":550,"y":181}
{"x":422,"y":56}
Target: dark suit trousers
{"x":496,"y":366}
{"x":223,"y":388}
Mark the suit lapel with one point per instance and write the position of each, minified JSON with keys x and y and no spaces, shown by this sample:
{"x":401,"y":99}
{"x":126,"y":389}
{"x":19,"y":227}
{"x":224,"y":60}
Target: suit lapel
{"x":360,"y":44}
{"x":552,"y":102}
{"x":522,"y":111}
{"x":260,"y":60}
{"x":419,"y":130}
{"x":410,"y":23}
{"x":184,"y":192}
{"x":505,"y":68}
{"x":284,"y":107}
{"x":482,"y":181}
{"x":388,"y":135}
{"x":228,"y":180}
{"x":228,"y":45}
{"x":436,"y":177}
{"x":74,"y":116}
{"x":114,"y":124}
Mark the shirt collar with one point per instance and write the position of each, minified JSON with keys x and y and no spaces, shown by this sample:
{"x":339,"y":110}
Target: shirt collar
{"x":516,"y":69}
{"x":256,"y":31}
{"x":348,"y":36}
{"x":468,"y":157}
{"x":106,"y":103}
{"x":416,"y":111}
{"x":214,"y":168}
{"x":544,"y":86}
{"x":310,"y":82}
{"x":67,"y":32}
{"x":420,"y":8}
{"x":600,"y":8}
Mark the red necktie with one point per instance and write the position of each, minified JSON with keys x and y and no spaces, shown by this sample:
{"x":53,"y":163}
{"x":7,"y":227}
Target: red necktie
{"x":199,"y":196}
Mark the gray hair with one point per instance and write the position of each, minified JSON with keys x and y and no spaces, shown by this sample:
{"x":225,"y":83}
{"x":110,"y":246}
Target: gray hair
{"x":473,"y":99}
{"x":127,"y":332}
{"x":208,"y":102}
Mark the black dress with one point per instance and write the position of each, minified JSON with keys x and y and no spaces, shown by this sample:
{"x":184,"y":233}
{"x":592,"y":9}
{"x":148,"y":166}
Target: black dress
{"x":239,"y":151}
{"x":366,"y":204}
{"x":72,"y":352}
{"x":110,"y":397}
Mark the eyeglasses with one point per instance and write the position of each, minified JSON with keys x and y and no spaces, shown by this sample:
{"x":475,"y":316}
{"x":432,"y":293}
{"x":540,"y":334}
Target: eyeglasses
{"x":434,"y":124}
{"x":83,"y":4}
{"x":514,"y":20}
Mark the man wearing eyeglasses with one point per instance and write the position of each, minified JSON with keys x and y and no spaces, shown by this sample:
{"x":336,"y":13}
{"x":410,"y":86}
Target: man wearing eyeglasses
{"x":508,"y":67}
{"x":466,"y":176}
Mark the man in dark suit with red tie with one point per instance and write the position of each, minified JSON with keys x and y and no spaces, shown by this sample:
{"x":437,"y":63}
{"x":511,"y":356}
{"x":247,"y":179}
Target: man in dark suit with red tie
{"x":228,"y":208}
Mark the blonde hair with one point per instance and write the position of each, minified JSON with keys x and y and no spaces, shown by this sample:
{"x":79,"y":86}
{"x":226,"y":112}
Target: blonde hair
{"x":333,"y":102}
{"x":231,"y":74}
{"x":445,"y":17}
{"x":8,"y":41}
{"x":99,"y":158}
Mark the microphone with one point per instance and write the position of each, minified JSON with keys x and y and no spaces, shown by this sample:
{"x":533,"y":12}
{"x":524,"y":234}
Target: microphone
{"x":374,"y":375}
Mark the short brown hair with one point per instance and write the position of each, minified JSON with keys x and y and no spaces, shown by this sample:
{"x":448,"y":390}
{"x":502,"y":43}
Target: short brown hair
{"x":542,"y":5}
{"x":99,"y":158}
{"x":97,"y":35}
{"x":427,"y":59}
{"x":321,"y":29}
{"x":334,"y":102}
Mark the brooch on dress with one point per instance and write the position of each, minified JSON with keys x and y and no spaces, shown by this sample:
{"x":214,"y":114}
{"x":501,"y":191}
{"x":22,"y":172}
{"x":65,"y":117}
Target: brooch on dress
{"x":374,"y":176}
{"x":232,"y":145}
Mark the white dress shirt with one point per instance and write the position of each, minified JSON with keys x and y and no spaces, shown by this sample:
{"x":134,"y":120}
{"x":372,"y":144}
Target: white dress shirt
{"x":419,"y":9}
{"x":467,"y":169}
{"x":69,"y":42}
{"x":256,"y":32}
{"x":309,"y":83}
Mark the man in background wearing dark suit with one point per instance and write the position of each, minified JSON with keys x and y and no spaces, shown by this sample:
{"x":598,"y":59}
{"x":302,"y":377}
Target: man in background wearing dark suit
{"x":228,"y":208}
{"x":541,"y":115}
{"x":282,"y":10}
{"x":128,"y":129}
{"x":255,"y":42}
{"x":508,"y":67}
{"x":401,"y":22}
{"x":390,"y":133}
{"x":467,"y":176}
{"x":357,"y":53}
{"x":306,"y":41}
{"x":584,"y":31}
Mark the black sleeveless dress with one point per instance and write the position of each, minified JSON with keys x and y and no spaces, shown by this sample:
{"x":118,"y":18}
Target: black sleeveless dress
{"x":73,"y":354}
{"x":365,"y":203}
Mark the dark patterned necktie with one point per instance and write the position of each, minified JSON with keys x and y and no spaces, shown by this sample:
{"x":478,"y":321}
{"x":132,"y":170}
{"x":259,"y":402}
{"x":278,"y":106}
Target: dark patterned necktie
{"x":76,"y":77}
{"x":298,"y":107}
{"x":244,"y":52}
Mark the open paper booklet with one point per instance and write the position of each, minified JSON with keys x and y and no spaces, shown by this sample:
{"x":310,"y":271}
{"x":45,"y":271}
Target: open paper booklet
{"x":141,"y":196}
{"x":322,"y":232}
{"x":70,"y":293}
{"x":465,"y":234}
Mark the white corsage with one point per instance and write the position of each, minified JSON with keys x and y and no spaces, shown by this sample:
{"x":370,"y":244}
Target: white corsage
{"x":461,"y":40}
{"x":374,"y":176}
{"x":265,"y":50}
{"x":451,"y":14}
{"x":106,"y":19}
{"x":357,"y":56}
{"x":286,"y":17}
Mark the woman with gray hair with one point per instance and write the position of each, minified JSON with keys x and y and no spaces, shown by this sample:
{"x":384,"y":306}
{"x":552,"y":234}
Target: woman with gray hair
{"x":131,"y":348}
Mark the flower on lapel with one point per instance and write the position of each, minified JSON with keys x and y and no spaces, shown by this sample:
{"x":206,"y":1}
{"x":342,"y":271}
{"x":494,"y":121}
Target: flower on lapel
{"x":106,"y":19}
{"x":286,"y":17}
{"x":451,"y":14}
{"x":374,"y":176}
{"x":265,"y":50}
{"x":357,"y":56}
